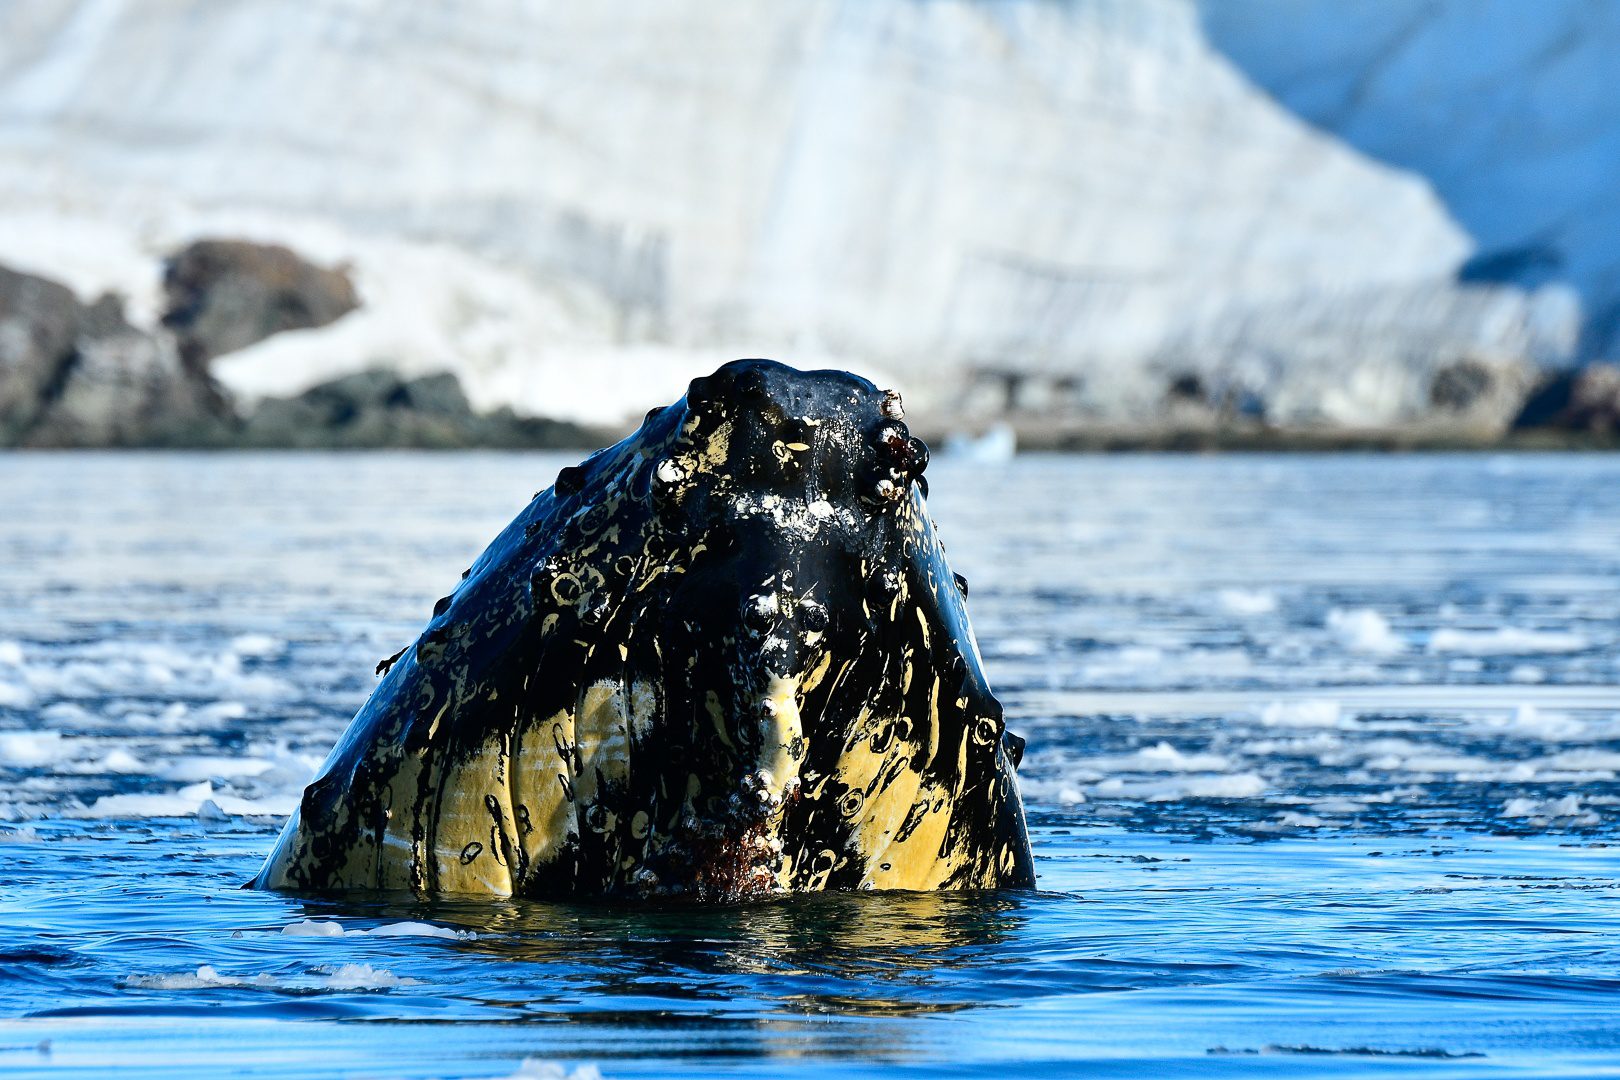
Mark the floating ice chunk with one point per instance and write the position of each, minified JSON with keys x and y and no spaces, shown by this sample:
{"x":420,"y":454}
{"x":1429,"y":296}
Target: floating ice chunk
{"x":1309,"y":713}
{"x":1247,"y":602}
{"x":540,"y":1069}
{"x":1060,"y":790}
{"x":1338,"y":806}
{"x":205,"y":977}
{"x":1539,"y":811}
{"x":1505,"y":641}
{"x":209,"y":810}
{"x":117,"y":760}
{"x":1364,"y":630}
{"x":1294,"y":820}
{"x":1233,"y":786}
{"x":1586,"y":759}
{"x":193,"y":769}
{"x":1529,"y":721}
{"x":1016,"y":646}
{"x":15,"y":697}
{"x":11,"y":654}
{"x":362,"y":977}
{"x":182,"y":803}
{"x":32,"y":749}
{"x":66,"y":714}
{"x":313,"y":928}
{"x":417,"y":929}
{"x":18,"y":836}
{"x":260,"y":646}
{"x":340,"y":977}
{"x":1160,"y":758}
{"x":317,"y":928}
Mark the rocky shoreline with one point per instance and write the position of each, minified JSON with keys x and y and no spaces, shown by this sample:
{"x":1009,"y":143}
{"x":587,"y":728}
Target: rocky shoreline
{"x":80,"y":374}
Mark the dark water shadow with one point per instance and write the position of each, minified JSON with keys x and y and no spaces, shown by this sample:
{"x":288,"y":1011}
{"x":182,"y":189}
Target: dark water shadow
{"x":856,"y":954}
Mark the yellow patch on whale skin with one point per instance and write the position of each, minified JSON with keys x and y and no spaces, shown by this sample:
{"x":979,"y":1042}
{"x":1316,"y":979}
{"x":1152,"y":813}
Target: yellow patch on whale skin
{"x":399,"y":864}
{"x":602,"y":736}
{"x":541,"y":781}
{"x":818,"y":671}
{"x":471,"y":841}
{"x":919,"y":861}
{"x":781,"y":736}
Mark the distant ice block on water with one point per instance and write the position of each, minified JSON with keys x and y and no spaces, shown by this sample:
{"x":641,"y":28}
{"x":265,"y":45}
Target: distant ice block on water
{"x":998,"y":443}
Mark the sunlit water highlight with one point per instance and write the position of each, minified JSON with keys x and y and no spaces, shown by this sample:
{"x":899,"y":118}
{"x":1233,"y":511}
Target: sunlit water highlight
{"x":1322,"y":773}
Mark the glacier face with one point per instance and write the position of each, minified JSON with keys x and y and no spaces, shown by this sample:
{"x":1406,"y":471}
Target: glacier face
{"x":1509,"y":109}
{"x":577,"y":207}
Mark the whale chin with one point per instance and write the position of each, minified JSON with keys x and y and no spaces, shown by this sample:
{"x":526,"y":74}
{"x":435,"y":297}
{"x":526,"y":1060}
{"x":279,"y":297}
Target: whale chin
{"x":722,"y":660}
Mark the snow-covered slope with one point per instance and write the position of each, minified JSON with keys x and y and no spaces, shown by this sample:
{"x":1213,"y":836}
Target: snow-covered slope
{"x":578,"y":206}
{"x":1509,"y":108}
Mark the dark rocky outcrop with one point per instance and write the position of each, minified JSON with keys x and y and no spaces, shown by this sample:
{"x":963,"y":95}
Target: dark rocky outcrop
{"x":1587,"y":401}
{"x":224,"y":295}
{"x":39,"y":339}
{"x":75,"y":374}
{"x":380,"y":408}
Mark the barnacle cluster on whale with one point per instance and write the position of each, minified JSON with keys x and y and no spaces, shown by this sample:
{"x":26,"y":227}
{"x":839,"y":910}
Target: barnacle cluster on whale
{"x":721,"y":660}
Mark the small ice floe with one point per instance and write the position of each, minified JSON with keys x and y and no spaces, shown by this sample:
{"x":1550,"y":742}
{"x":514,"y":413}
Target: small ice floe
{"x":362,"y":977}
{"x":1363,"y":630}
{"x":1530,"y":722}
{"x":1246,"y":602}
{"x":1159,"y":758}
{"x":1505,"y":641}
{"x":540,"y":1069}
{"x":186,"y":802}
{"x":1293,"y":819}
{"x":11,"y":654}
{"x":1192,"y":786}
{"x":257,"y":646}
{"x":319,"y":928}
{"x":32,"y":749}
{"x":332,"y":977}
{"x":204,"y":978}
{"x":1566,"y":810}
{"x":998,"y":443}
{"x":1307,"y":713}
{"x":202,"y":767}
{"x":15,"y":696}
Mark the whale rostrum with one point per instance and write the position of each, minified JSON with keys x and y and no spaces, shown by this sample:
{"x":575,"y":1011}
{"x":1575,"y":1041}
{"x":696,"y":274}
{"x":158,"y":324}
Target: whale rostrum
{"x":721,"y":660}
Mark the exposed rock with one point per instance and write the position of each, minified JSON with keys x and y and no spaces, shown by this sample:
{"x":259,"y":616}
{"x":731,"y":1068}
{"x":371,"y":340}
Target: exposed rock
{"x":40,"y":322}
{"x":78,"y":375}
{"x":1587,"y":400}
{"x":379,"y":408}
{"x":225,"y":295}
{"x":1480,"y":393}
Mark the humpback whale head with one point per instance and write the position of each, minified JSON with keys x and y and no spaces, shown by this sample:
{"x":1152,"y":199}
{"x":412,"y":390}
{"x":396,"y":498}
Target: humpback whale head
{"x":720,"y":660}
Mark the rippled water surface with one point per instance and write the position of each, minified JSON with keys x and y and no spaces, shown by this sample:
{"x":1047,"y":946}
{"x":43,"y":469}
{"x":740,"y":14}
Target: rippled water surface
{"x":1322,"y":779}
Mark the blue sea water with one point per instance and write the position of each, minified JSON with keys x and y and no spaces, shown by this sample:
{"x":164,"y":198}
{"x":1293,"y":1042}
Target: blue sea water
{"x":1322,"y":780}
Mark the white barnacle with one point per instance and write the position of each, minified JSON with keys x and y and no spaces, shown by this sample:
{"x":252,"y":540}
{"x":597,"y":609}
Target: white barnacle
{"x":669,"y":471}
{"x":893,"y":409}
{"x":888,"y":489}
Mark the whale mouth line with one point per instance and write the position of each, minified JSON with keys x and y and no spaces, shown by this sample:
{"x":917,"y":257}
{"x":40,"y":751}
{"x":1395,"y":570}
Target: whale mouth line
{"x":720,"y":661}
